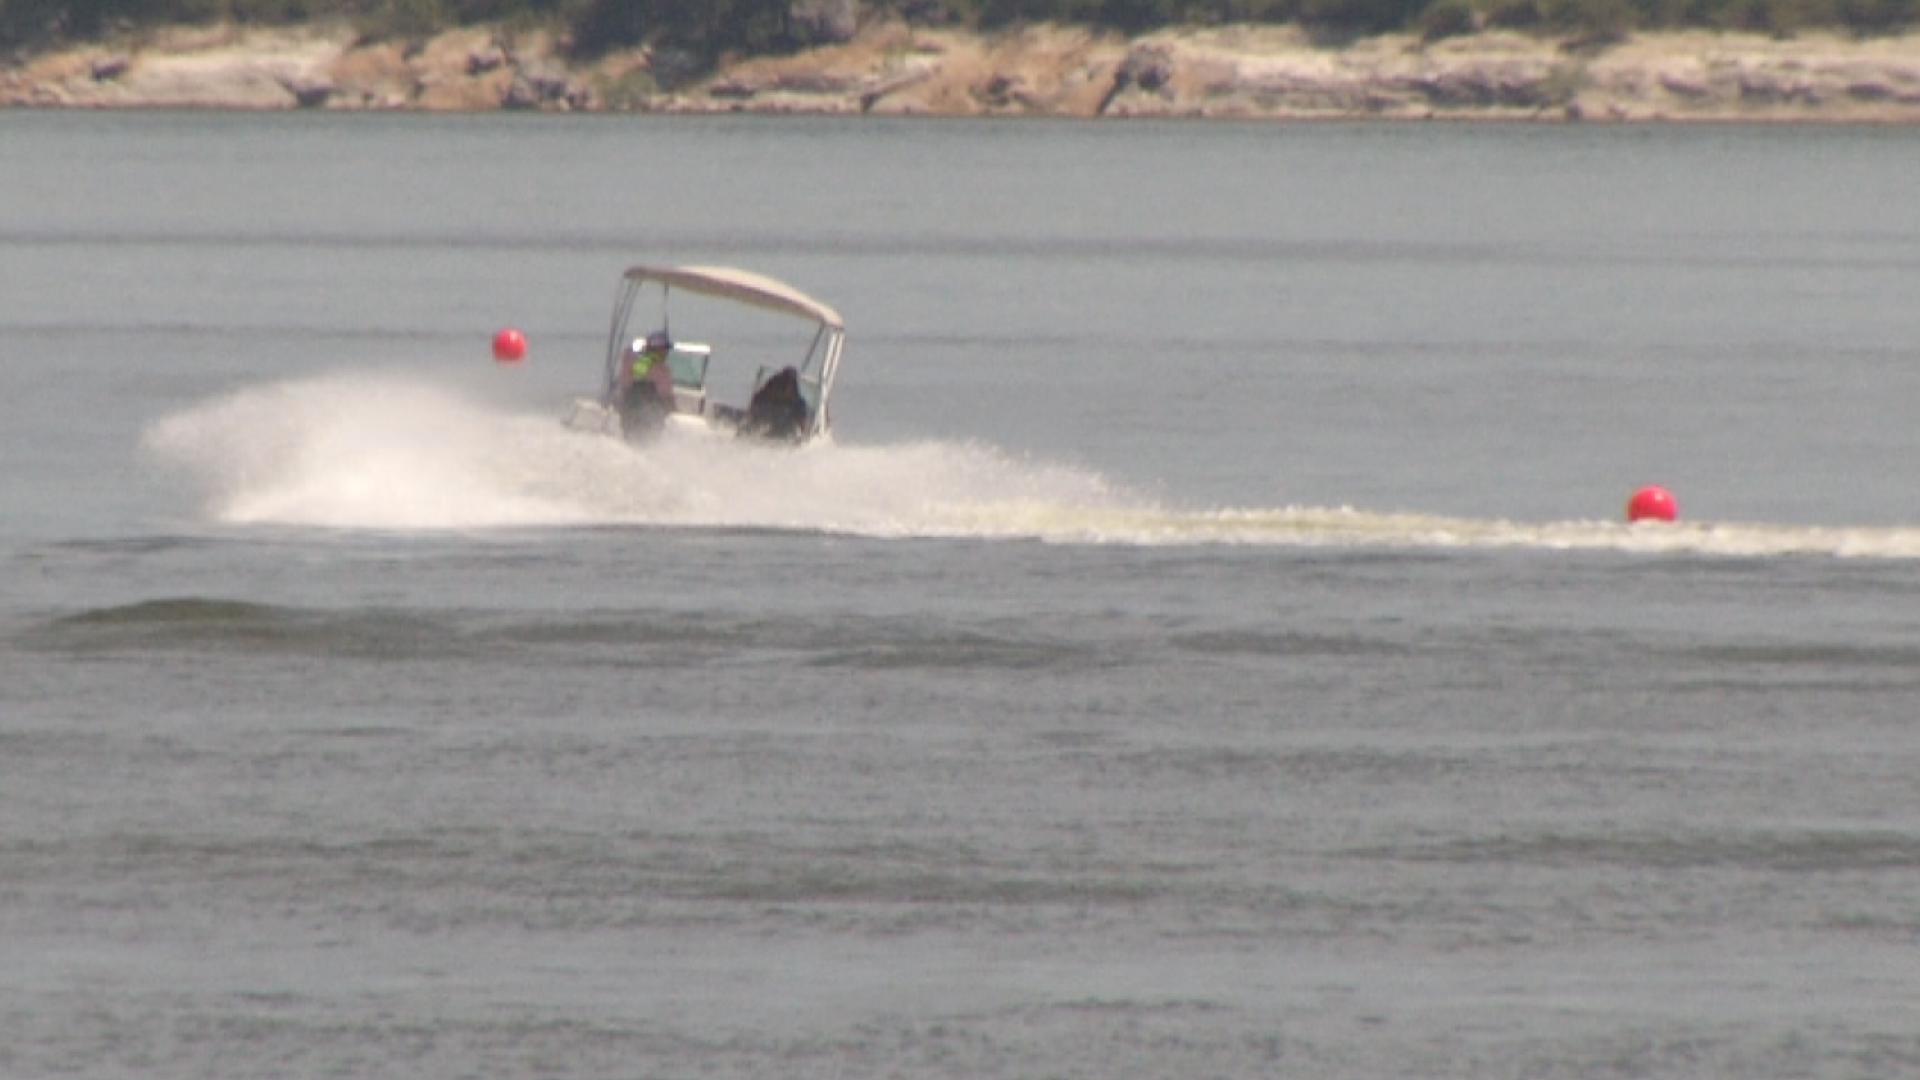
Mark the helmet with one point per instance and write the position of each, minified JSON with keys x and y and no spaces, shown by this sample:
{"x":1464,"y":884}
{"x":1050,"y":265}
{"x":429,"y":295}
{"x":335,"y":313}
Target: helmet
{"x":658,"y":340}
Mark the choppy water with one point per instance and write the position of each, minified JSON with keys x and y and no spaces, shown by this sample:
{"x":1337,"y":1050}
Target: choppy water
{"x":1210,"y":647}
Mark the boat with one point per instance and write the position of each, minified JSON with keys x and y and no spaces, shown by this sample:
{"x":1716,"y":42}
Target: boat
{"x":784,"y":402}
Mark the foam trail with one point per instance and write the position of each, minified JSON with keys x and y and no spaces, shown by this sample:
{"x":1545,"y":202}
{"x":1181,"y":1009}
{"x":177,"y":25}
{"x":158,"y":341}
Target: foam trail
{"x":1347,"y":527}
{"x":373,"y":452}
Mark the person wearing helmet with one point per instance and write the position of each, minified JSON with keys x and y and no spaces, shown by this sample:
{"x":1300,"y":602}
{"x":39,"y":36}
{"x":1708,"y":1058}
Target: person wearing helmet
{"x":644,"y":392}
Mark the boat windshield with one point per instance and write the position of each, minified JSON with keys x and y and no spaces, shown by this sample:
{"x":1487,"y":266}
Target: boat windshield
{"x":688,"y":363}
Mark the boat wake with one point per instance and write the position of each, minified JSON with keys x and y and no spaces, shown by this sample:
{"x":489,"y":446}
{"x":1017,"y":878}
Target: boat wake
{"x":370,"y":452}
{"x":373,"y":452}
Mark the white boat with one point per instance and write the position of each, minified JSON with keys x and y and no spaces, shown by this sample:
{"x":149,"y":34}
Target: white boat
{"x":783,"y":402}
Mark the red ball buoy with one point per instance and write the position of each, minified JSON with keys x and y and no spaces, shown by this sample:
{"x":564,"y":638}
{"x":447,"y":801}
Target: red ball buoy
{"x":509,"y":346}
{"x":1652,"y":503}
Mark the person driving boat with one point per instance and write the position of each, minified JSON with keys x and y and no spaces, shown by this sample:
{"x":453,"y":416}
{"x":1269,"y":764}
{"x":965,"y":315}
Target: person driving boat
{"x":644,"y":393}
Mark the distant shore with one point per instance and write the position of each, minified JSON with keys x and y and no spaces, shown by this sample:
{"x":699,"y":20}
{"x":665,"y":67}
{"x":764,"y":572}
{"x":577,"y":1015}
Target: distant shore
{"x":1251,"y":72}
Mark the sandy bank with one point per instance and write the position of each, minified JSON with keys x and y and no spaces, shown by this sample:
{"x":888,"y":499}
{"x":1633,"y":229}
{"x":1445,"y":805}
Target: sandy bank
{"x":889,"y":68}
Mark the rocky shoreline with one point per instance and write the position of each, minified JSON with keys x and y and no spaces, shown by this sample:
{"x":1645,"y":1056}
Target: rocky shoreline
{"x":1251,"y":72}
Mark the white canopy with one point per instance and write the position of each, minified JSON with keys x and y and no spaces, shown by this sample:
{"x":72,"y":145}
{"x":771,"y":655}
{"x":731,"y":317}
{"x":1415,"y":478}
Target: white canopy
{"x":743,"y":285}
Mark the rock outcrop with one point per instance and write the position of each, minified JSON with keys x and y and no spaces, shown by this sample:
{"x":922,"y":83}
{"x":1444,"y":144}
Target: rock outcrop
{"x":1281,"y":73}
{"x":889,"y":67}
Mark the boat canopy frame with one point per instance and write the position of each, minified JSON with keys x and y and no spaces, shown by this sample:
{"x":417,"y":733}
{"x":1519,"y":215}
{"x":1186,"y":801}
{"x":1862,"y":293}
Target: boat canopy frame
{"x":817,"y":369}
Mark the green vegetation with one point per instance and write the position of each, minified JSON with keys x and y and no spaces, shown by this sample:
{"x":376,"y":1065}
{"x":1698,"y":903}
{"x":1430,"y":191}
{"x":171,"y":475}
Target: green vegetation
{"x":691,"y":35}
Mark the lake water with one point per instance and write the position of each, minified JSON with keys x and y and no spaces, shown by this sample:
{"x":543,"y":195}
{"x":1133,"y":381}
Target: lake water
{"x":1210,"y":646}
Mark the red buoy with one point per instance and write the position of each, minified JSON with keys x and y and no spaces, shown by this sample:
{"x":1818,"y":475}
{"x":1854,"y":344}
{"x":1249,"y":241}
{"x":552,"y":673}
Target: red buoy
{"x":509,"y":346}
{"x":1652,"y":503}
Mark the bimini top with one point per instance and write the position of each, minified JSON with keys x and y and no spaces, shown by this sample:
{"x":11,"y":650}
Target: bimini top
{"x":742,"y":285}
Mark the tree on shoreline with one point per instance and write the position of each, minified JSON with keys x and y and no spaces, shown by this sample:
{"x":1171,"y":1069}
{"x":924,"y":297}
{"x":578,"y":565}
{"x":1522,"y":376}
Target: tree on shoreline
{"x":702,"y":32}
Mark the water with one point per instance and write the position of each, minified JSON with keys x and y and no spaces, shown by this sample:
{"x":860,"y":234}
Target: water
{"x":1210,"y":647}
